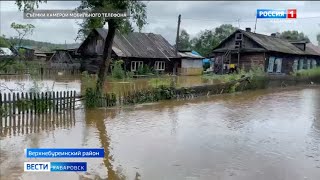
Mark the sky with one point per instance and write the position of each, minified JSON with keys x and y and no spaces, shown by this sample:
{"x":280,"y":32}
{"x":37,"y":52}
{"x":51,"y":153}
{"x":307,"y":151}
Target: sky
{"x":196,"y":16}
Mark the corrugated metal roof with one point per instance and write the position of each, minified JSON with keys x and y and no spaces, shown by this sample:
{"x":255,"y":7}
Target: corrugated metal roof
{"x":143,"y":45}
{"x":190,"y":55}
{"x":5,"y":52}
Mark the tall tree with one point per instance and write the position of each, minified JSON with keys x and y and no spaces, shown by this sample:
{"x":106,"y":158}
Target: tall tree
{"x":184,"y":40}
{"x":318,"y":39}
{"x":209,"y":39}
{"x":294,"y":36}
{"x":4,"y":42}
{"x":137,"y":11}
{"x":204,"y":42}
{"x":23,"y":30}
{"x":224,"y":31}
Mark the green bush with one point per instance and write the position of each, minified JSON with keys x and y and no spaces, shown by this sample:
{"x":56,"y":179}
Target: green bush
{"x":144,"y":70}
{"x":117,"y":70}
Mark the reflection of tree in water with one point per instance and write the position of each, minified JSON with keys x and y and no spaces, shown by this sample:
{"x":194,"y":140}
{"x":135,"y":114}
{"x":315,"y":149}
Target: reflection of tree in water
{"x":97,"y":117}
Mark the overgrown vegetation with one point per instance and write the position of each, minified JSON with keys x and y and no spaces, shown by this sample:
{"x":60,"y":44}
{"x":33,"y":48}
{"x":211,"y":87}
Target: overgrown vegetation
{"x":92,"y":99}
{"x":315,"y":72}
{"x":145,"y":70}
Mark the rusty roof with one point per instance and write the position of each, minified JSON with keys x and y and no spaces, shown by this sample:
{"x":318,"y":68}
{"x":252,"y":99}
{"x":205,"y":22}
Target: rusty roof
{"x":140,"y":45}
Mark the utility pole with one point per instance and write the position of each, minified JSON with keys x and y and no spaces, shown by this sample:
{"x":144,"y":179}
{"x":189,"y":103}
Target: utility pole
{"x":238,"y":20}
{"x":178,"y":32}
{"x":255,"y":25}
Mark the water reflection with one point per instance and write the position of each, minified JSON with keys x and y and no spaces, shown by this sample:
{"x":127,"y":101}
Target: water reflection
{"x":265,"y":134}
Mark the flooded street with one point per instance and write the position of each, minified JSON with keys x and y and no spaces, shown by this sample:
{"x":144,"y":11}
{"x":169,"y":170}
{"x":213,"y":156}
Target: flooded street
{"x":264,"y":134}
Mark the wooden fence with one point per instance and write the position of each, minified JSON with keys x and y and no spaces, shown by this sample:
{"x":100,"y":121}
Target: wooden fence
{"x":31,"y":123}
{"x":36,"y":103}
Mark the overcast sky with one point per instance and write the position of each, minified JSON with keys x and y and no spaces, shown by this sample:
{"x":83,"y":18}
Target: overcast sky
{"x":162,"y":18}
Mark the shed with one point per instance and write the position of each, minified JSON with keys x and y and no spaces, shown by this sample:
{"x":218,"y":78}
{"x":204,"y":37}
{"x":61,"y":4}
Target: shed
{"x":191,"y":63}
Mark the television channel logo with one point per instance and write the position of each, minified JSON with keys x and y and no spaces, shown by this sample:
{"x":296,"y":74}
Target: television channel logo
{"x":55,"y":166}
{"x":276,"y":14}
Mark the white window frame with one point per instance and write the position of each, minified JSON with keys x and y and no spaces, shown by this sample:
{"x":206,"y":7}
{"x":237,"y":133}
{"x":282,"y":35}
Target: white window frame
{"x":301,"y":64}
{"x":308,"y":64}
{"x":135,"y":65}
{"x":160,"y":65}
{"x":271,"y":64}
{"x":278,"y":62}
{"x":314,"y":63}
{"x":295,"y":65}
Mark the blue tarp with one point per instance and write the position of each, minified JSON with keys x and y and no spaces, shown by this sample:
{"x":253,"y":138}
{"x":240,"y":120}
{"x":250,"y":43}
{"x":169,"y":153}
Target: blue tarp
{"x":204,"y":60}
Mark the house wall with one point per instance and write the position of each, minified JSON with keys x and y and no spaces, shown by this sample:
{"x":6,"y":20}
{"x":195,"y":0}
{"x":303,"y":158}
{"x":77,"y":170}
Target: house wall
{"x":191,"y":67}
{"x":246,"y":43}
{"x":91,"y":47}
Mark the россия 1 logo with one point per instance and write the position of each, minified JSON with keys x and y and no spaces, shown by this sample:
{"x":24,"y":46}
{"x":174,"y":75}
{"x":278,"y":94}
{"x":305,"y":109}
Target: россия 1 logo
{"x":277,"y":14}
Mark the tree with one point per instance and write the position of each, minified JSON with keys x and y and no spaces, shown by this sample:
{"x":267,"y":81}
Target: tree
{"x":224,"y":31}
{"x":23,"y":30}
{"x":209,"y":39}
{"x":204,"y":42}
{"x":137,"y":11}
{"x":294,"y":36}
{"x":318,"y":39}
{"x":184,"y":40}
{"x":4,"y":42}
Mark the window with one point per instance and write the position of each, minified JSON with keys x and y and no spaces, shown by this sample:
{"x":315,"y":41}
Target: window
{"x":301,"y":64}
{"x":135,"y":65}
{"x":308,"y":64}
{"x":99,"y":46}
{"x":271,"y":64}
{"x":295,"y":65}
{"x":159,"y":65}
{"x":279,"y":65}
{"x":314,"y":63}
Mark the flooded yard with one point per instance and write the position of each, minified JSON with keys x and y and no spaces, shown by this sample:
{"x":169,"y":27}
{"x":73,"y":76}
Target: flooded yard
{"x":25,"y":83}
{"x":265,"y":134}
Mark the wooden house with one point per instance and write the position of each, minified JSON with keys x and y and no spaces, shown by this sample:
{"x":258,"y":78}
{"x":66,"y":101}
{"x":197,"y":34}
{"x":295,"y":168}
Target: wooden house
{"x":62,"y":59}
{"x":245,"y":49}
{"x":26,"y":51}
{"x":191,"y":63}
{"x":135,"y":49}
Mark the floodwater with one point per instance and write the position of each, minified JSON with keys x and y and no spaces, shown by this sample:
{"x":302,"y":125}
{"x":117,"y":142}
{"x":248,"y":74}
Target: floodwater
{"x":266,"y":135}
{"x":26,"y":83}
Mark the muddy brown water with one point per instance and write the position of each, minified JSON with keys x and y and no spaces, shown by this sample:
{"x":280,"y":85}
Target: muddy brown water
{"x":264,"y":134}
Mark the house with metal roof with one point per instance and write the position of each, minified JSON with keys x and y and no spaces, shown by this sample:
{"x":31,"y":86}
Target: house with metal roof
{"x":245,"y":49}
{"x":135,"y":49}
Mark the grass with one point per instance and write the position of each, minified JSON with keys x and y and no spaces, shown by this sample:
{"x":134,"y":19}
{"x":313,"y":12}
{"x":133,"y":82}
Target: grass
{"x":255,"y":71}
{"x":160,"y":82}
{"x":315,"y":72}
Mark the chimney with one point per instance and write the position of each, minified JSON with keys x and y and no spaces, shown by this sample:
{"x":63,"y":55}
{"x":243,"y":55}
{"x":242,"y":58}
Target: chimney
{"x":248,"y":29}
{"x":273,"y":35}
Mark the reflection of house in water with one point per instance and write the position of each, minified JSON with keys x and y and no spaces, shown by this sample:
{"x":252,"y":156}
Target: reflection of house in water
{"x":244,"y":49}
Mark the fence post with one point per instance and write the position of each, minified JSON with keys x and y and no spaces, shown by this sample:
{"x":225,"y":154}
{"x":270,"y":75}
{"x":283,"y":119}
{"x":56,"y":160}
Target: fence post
{"x":74,"y":99}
